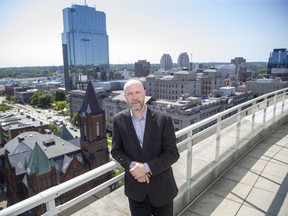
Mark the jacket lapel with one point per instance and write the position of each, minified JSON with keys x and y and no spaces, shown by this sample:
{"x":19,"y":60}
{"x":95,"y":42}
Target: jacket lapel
{"x":148,"y":128}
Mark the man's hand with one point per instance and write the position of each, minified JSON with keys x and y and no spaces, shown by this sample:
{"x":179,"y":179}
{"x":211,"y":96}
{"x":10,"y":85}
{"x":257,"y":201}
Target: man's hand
{"x":144,"y":178}
{"x":139,"y":173}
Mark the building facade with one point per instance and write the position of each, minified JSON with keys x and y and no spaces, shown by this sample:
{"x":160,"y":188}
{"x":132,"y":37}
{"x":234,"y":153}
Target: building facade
{"x":172,"y":87}
{"x":85,"y":46}
{"x":13,"y":123}
{"x":166,"y":63}
{"x":183,"y":61}
{"x":240,"y":68}
{"x":211,"y":80}
{"x":264,"y":86}
{"x":278,"y":60}
{"x":142,"y":68}
{"x":184,"y":83}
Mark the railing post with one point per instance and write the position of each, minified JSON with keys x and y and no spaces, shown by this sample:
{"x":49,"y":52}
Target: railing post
{"x":283,"y":102}
{"x":254,"y":107}
{"x":274,"y":108}
{"x":218,"y":139}
{"x":265,"y":110}
{"x":50,"y":206}
{"x":238,"y":129}
{"x":189,"y":167}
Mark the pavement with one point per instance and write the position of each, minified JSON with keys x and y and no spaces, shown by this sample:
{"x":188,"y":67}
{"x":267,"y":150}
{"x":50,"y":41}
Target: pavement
{"x":256,"y":185}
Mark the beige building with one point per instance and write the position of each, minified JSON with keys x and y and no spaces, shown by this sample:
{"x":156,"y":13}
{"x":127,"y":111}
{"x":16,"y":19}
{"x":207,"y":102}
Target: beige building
{"x":210,"y":79}
{"x":183,"y":83}
{"x":172,"y":87}
{"x":264,"y":86}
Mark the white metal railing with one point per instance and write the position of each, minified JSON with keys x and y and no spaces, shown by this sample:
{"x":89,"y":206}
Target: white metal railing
{"x":208,"y":148}
{"x":223,"y":139}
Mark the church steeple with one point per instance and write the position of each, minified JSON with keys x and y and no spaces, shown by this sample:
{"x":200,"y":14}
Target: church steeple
{"x":93,"y":130}
{"x":90,"y":104}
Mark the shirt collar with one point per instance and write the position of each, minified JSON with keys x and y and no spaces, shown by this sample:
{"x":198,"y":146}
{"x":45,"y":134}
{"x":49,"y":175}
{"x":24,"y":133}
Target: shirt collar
{"x":144,"y":114}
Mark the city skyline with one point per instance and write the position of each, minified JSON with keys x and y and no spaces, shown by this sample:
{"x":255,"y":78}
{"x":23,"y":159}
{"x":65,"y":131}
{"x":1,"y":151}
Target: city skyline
{"x":209,"y":31}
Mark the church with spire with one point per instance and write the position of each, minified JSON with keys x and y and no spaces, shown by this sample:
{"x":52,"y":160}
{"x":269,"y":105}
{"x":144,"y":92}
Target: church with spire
{"x":93,"y":130}
{"x":34,"y":162}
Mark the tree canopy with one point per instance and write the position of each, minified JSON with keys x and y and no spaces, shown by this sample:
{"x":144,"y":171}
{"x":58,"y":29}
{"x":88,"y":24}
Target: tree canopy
{"x":41,"y":99}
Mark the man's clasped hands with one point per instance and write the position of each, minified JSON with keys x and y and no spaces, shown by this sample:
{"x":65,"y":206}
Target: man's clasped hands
{"x":139,"y":173}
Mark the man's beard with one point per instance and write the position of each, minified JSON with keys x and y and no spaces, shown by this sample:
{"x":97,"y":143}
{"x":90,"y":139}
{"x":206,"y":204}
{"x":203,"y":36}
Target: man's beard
{"x":137,"y":108}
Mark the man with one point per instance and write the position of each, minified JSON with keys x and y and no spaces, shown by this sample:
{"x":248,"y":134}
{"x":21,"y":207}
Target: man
{"x":144,"y":143}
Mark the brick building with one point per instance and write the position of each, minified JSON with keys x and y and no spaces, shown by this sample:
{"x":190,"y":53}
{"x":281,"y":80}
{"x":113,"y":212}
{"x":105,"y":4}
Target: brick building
{"x":13,"y":123}
{"x":34,"y":162}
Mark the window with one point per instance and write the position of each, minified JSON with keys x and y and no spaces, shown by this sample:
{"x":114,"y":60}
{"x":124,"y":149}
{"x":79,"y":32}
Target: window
{"x":97,"y":129}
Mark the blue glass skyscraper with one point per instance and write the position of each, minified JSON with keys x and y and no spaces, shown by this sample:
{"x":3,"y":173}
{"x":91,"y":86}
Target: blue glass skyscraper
{"x":85,"y":46}
{"x":278,"y":59}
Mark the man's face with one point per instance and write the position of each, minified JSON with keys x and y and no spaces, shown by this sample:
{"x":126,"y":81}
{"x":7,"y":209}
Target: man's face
{"x":135,"y":97}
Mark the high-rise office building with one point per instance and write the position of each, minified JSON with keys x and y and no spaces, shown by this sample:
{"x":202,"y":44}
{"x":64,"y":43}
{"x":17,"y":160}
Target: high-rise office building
{"x":183,"y":61}
{"x":278,"y":59}
{"x":142,"y":68}
{"x":85,"y":46}
{"x":240,"y":68}
{"x":166,"y":62}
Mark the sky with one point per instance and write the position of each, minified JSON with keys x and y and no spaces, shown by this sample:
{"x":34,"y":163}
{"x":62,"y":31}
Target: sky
{"x":208,"y":30}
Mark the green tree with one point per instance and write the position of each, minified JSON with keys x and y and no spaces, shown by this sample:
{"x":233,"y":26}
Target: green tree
{"x":75,"y":118}
{"x":261,"y":71}
{"x":45,"y":101}
{"x":60,"y":96}
{"x":54,"y":128}
{"x":41,"y":99}
{"x":60,"y":105}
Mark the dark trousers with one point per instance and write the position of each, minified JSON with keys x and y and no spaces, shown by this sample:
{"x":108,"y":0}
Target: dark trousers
{"x":145,"y":208}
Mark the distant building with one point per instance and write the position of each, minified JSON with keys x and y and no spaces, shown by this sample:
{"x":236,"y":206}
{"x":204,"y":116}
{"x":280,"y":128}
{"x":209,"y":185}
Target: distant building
{"x":166,"y":63}
{"x":264,"y":86}
{"x":183,"y":61}
{"x":210,"y":79}
{"x":24,"y":97}
{"x":34,"y":162}
{"x":227,"y":70}
{"x":278,"y":59}
{"x":13,"y":123}
{"x":280,"y":73}
{"x":172,"y":87}
{"x":49,"y":86}
{"x":183,"y":83}
{"x":11,"y":89}
{"x":240,"y":68}
{"x":85,"y":46}
{"x":142,"y":68}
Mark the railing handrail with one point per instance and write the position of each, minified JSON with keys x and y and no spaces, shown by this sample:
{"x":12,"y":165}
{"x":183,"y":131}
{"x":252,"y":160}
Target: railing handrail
{"x":48,"y":196}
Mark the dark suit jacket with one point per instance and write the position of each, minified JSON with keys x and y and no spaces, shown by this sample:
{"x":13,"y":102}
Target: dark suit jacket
{"x":159,"y":152}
